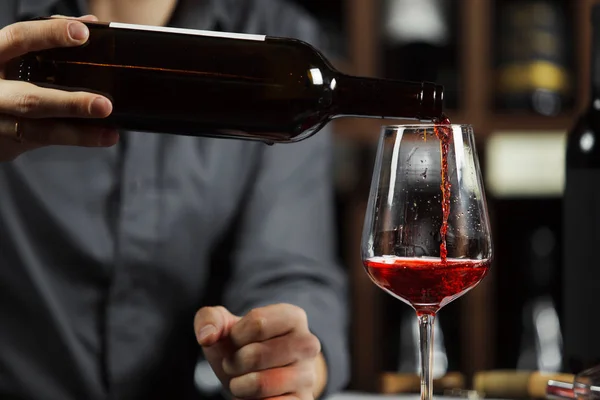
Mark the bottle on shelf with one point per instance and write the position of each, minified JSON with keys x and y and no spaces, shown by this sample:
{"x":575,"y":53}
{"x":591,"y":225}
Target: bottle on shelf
{"x":528,"y":282}
{"x":533,"y":71}
{"x":581,"y":218}
{"x":423,"y":32}
{"x":541,"y":340}
{"x":228,"y":85}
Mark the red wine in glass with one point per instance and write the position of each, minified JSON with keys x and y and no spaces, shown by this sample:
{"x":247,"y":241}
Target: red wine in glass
{"x":426,"y":284}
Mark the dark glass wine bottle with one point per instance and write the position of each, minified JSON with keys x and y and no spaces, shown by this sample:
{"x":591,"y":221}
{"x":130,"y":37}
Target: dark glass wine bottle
{"x":532,"y":58}
{"x":421,"y":31}
{"x":581,"y":267}
{"x":204,"y":83}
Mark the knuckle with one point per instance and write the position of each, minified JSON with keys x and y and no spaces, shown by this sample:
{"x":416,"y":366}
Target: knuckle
{"x":307,"y":347}
{"x":251,"y":357}
{"x":312,"y":346}
{"x":306,"y":375}
{"x":310,"y":378}
{"x":298,"y":313}
{"x":27,"y":103}
{"x":306,"y":396}
{"x":249,"y":385}
{"x":260,"y":384}
{"x":13,"y":35}
{"x":220,"y":309}
{"x":76,"y":105}
{"x":256,"y":322}
{"x":255,"y":314}
{"x":301,"y":314}
{"x":58,"y":32}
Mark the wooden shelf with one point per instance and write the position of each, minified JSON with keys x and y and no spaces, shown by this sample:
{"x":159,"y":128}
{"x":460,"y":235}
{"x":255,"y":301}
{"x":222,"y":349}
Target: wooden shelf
{"x":365,"y":131}
{"x":525,"y":122}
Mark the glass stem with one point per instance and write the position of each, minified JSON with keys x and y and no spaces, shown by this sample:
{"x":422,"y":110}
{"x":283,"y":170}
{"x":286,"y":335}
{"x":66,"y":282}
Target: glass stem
{"x":426,"y":353}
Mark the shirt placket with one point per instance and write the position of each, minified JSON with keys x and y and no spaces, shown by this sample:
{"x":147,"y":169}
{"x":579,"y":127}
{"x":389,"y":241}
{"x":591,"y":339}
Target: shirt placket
{"x":130,"y":322}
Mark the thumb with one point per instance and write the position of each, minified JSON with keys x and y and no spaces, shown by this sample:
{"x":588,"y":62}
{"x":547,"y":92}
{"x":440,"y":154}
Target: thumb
{"x":213,"y":323}
{"x":88,"y":17}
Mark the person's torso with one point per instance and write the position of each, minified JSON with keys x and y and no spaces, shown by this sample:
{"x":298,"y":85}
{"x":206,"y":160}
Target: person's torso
{"x":105,"y":253}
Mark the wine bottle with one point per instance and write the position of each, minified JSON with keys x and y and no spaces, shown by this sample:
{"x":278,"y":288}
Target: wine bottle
{"x":541,"y":340}
{"x":581,"y":267}
{"x":205,"y":83}
{"x":421,"y":31}
{"x":532,"y":68}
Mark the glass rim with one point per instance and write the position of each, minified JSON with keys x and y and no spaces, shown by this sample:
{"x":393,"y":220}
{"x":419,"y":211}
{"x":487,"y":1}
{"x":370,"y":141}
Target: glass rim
{"x":424,"y":125}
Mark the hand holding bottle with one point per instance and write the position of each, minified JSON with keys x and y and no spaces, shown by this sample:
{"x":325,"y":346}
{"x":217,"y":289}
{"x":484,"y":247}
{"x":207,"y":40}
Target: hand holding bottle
{"x":27,"y":111}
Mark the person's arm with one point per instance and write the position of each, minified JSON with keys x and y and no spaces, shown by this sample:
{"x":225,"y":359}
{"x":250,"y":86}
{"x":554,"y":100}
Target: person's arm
{"x":286,"y":251}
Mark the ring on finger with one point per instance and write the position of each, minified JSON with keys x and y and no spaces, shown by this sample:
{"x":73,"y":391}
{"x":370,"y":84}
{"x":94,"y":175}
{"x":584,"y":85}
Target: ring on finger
{"x":18,"y":135}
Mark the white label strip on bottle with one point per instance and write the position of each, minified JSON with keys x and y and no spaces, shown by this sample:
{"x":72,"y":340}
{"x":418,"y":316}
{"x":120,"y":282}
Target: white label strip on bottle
{"x":228,"y":35}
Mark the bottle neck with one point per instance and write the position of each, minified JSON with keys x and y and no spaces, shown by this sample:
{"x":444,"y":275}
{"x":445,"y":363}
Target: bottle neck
{"x":385,"y":98}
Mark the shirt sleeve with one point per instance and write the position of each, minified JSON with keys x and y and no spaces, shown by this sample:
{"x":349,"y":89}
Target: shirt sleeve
{"x":286,"y":251}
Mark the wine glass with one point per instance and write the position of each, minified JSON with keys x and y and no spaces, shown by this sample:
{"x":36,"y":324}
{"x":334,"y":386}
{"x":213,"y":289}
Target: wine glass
{"x":426,"y":237}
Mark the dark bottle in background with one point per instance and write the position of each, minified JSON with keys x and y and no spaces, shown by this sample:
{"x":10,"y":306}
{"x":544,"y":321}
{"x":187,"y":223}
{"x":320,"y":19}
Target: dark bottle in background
{"x":541,"y":340}
{"x":419,"y":40}
{"x":533,"y":61}
{"x":527,"y":236}
{"x":581,"y":263}
{"x":204,"y":83}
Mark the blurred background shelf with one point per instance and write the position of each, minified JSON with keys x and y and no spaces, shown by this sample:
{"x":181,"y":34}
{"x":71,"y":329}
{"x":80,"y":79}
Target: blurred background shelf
{"x":363,"y":131}
{"x":520,"y":122}
{"x":481,"y":50}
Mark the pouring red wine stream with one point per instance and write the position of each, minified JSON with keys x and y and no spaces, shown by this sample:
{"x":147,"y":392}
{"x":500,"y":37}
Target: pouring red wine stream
{"x":443,"y":131}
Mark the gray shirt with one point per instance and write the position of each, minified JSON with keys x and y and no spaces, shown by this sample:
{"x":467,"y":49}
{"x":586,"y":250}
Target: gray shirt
{"x":106,"y":254}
